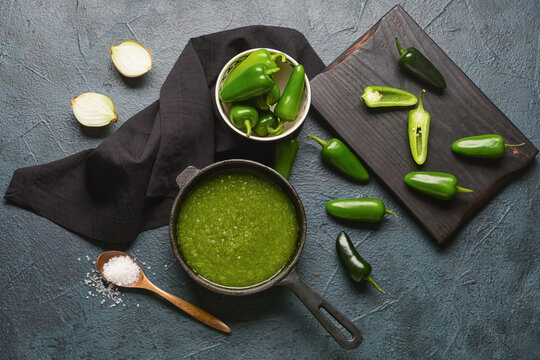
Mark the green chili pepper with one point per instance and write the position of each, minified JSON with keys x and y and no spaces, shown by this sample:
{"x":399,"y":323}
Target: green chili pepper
{"x":243,"y":117}
{"x":267,"y":124}
{"x":265,"y":101}
{"x":367,"y":209}
{"x":257,"y":57}
{"x":358,"y":268}
{"x":286,"y":151}
{"x":419,"y":132}
{"x":417,"y":64}
{"x":437,"y":184}
{"x":383,"y":96}
{"x":489,"y":146}
{"x":288,"y":105}
{"x":253,"y":82}
{"x":336,"y":154}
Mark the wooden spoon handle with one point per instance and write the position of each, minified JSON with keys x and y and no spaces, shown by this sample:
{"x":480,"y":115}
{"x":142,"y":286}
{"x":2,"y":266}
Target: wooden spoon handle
{"x":191,"y":309}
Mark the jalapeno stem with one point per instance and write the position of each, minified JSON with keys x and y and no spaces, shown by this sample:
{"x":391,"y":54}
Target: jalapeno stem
{"x":278,"y":130}
{"x":368,"y":278}
{"x":281,"y":55}
{"x":271,"y":71}
{"x":390,"y":212}
{"x":401,"y":51}
{"x":460,"y":189}
{"x":247,"y":124}
{"x":320,"y":141}
{"x":513,"y":145}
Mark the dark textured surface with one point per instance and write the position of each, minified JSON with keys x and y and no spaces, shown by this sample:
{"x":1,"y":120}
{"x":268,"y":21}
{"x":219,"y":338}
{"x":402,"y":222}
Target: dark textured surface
{"x":477,"y":297}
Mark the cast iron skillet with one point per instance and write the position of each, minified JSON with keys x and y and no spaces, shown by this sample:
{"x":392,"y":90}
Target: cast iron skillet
{"x":288,"y":276}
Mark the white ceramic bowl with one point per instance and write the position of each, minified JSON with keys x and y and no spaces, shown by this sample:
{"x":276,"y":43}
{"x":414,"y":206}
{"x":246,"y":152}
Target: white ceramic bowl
{"x":281,"y":78}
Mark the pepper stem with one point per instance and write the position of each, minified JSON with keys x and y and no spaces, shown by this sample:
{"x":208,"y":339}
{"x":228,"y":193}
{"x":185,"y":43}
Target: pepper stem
{"x":275,"y":131}
{"x":460,"y":189}
{"x":401,"y":51}
{"x":320,"y":141}
{"x":513,"y":145}
{"x":391,"y":213}
{"x":247,"y":125}
{"x":281,"y":55}
{"x":374,"y":284}
{"x":271,"y":71}
{"x":421,"y":101}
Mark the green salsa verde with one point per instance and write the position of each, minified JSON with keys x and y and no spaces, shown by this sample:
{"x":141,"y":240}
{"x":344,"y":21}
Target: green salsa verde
{"x":237,"y":230}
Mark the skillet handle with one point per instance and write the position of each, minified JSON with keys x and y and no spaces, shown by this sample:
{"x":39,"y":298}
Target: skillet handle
{"x":315,"y":302}
{"x":186,"y":175}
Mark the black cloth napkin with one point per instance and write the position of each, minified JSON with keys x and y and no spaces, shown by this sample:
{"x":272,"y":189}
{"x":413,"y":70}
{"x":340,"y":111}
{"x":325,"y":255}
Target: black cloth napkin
{"x":127,"y":184}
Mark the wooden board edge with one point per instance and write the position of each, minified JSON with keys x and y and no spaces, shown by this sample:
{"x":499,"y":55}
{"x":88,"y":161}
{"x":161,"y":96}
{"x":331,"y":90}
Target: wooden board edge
{"x":361,"y":40}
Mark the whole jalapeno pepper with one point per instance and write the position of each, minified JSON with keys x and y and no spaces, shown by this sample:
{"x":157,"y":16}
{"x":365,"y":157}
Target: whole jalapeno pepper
{"x":417,"y":64}
{"x":384,"y":96}
{"x":336,"y":154}
{"x":257,"y":57}
{"x":243,"y":117}
{"x":489,"y":146}
{"x":265,"y":101}
{"x":436,"y":184}
{"x":253,"y":82}
{"x":366,"y":209}
{"x":358,"y":268}
{"x":288,"y":106}
{"x":286,"y":151}
{"x":267,"y":124}
{"x":418,"y":132}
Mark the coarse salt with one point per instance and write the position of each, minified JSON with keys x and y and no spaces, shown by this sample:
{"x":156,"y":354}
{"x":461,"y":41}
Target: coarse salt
{"x":121,"y":270}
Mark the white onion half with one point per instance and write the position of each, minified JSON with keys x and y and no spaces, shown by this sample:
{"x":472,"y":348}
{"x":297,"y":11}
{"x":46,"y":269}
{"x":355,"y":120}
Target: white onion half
{"x":131,"y":58}
{"x":93,"y":109}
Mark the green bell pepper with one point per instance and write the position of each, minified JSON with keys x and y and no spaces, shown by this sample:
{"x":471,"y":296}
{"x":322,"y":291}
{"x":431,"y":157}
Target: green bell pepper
{"x":418,"y":65}
{"x":436,"y":184}
{"x":384,"y":96}
{"x":358,"y":268}
{"x":288,"y":106}
{"x":366,"y":209}
{"x":419,"y":132}
{"x":286,"y":151}
{"x":267,"y":124}
{"x":257,"y":57}
{"x":336,"y":154}
{"x":489,"y":146}
{"x":243,"y":117}
{"x":253,"y":82}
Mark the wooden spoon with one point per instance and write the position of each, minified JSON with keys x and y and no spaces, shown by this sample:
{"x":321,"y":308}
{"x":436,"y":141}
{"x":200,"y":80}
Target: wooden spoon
{"x":143,"y":283}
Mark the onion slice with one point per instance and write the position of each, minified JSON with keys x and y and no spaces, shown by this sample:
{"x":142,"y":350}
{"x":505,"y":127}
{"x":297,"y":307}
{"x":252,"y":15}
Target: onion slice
{"x":93,"y":109}
{"x":131,"y":58}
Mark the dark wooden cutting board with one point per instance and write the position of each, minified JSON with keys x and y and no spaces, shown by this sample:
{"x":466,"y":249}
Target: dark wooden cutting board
{"x":379,"y":137}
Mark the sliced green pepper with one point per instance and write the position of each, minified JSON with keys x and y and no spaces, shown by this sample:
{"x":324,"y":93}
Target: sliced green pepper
{"x":419,"y":132}
{"x":489,"y":146}
{"x":417,"y":64}
{"x":366,"y":209}
{"x":336,"y":154}
{"x":288,"y":106}
{"x":257,"y":57}
{"x":265,"y":101}
{"x":436,"y":184}
{"x":243,"y":117}
{"x":358,"y":268}
{"x":286,"y":151}
{"x":384,"y":96}
{"x":267,"y":124}
{"x":253,"y":82}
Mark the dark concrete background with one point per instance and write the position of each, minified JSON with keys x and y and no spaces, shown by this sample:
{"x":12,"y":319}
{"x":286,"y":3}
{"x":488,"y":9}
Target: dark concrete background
{"x":476,"y":298}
